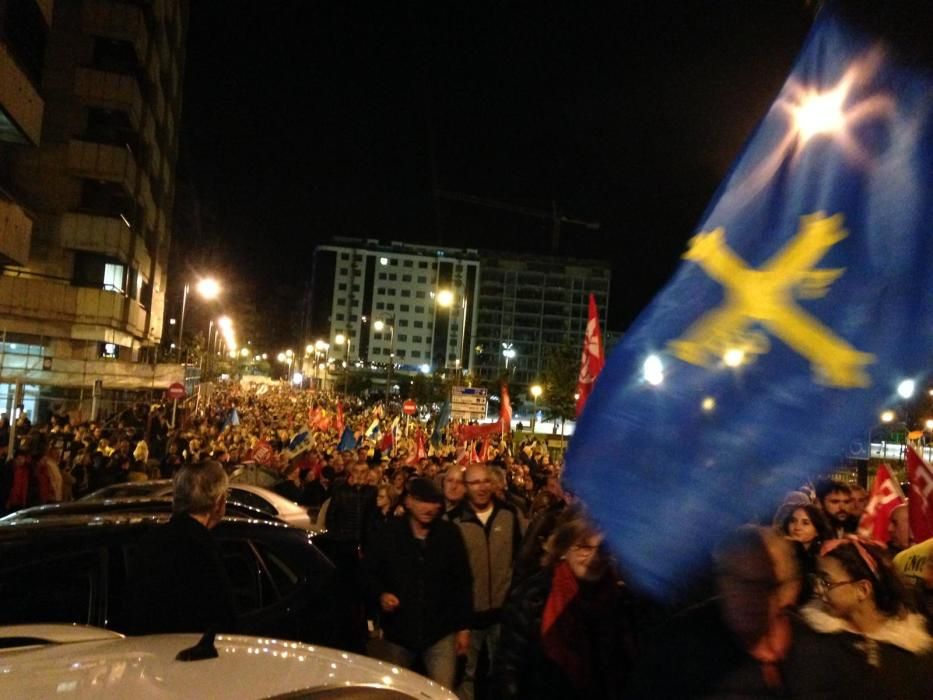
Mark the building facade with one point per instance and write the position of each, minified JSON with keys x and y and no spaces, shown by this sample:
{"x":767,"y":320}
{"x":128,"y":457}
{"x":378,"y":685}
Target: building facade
{"x":410,"y":305}
{"x":531,"y":305}
{"x":506,"y":311}
{"x":82,"y":291}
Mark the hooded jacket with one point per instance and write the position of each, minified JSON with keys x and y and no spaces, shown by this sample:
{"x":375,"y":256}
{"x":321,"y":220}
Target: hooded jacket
{"x":894,"y":662}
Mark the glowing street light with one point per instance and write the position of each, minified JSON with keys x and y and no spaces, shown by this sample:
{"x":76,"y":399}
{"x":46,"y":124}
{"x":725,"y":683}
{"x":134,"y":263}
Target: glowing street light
{"x":445,"y":298}
{"x":906,"y":388}
{"x":208,"y":289}
{"x":535,"y":392}
{"x":508,"y":352}
{"x":887,"y":416}
{"x":340,"y":339}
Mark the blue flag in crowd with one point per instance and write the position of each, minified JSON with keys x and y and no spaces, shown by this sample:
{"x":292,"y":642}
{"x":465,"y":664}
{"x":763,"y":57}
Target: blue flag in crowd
{"x":300,"y":442}
{"x":802,"y":303}
{"x":443,"y":418}
{"x":347,"y":441}
{"x":233,"y":418}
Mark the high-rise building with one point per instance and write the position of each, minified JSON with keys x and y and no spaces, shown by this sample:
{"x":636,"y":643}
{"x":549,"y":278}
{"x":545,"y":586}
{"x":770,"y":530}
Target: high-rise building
{"x":413,"y":305}
{"x":492,"y":313}
{"x":88,"y":171}
{"x":530,"y":305}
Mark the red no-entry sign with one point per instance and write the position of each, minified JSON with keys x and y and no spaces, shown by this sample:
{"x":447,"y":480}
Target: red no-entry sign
{"x":409,"y":407}
{"x":175,"y":391}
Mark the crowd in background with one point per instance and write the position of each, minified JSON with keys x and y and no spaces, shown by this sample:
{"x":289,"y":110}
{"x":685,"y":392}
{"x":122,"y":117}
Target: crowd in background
{"x":485,"y":574}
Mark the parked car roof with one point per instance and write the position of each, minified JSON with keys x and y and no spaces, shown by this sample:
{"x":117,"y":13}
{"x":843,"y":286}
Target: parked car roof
{"x":85,"y":664}
{"x":257,"y":497}
{"x":147,"y":504}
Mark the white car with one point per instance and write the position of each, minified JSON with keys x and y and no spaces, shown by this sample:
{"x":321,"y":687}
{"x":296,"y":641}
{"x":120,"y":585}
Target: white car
{"x":68,"y":661}
{"x":254,"y":496}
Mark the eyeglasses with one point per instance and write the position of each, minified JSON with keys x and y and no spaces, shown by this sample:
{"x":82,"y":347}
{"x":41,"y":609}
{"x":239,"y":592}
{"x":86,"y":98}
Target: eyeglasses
{"x":583,"y":548}
{"x":822,"y":585}
{"x":477,"y":482}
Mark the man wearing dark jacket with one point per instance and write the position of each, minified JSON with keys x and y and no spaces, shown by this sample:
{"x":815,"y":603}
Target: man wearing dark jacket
{"x":418,"y":572}
{"x":181,"y":584}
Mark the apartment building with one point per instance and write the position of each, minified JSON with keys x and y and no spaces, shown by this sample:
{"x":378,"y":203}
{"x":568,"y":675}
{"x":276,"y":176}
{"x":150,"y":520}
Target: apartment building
{"x":89,"y":183}
{"x":410,"y":304}
{"x":530,"y":305}
{"x":491,"y":313}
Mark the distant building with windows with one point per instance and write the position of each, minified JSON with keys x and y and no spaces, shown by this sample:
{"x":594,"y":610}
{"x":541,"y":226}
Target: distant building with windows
{"x":507,"y":311}
{"x":530,"y":305}
{"x":389,"y":299}
{"x":90,"y":97}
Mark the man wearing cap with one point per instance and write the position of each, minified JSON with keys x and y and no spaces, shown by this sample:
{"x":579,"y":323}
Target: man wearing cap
{"x":419,"y":575}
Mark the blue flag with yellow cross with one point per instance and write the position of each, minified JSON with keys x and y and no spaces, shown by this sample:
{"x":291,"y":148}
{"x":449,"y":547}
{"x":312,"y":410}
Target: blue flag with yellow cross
{"x":802,"y":301}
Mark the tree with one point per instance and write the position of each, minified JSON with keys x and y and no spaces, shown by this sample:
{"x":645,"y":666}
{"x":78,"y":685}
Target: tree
{"x":427,"y":389}
{"x":561,"y":371}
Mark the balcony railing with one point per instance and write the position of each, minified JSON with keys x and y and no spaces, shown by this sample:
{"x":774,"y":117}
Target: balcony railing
{"x":19,"y":99}
{"x":15,"y":232}
{"x":103,"y":162}
{"x":44,"y":299}
{"x":117,"y":20}
{"x":114,"y":90}
{"x":98,"y":234}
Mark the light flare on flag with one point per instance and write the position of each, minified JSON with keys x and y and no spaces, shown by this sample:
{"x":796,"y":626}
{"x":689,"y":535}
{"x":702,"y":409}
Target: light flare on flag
{"x":800,"y":305}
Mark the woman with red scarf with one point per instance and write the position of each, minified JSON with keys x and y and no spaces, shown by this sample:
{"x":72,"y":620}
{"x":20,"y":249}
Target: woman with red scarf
{"x":565,"y":630}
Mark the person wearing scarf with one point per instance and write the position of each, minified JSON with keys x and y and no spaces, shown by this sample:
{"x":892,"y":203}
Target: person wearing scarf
{"x":565,"y":631}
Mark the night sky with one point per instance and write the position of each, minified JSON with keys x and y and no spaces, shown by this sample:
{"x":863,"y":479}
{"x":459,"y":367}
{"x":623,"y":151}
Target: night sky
{"x":309,"y":119}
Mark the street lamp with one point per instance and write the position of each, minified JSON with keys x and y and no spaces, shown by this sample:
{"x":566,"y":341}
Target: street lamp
{"x":340,"y":339}
{"x":207,"y":288}
{"x":445,"y":298}
{"x":379,"y":326}
{"x":535,"y":392}
{"x":320,"y":348}
{"x":508,"y":352}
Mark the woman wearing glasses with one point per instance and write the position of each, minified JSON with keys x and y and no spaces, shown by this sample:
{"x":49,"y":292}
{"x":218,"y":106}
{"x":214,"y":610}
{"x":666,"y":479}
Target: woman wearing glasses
{"x":877,"y":647}
{"x":565,"y":630}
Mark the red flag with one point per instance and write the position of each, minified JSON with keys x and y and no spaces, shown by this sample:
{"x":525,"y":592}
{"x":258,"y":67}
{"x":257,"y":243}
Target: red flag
{"x":387,"y":442}
{"x":340,"y":423}
{"x":473,"y":432}
{"x":418,"y":451}
{"x":920,"y":506}
{"x":505,"y":410}
{"x":886,"y":495}
{"x":592,"y":359}
{"x":262,"y":453}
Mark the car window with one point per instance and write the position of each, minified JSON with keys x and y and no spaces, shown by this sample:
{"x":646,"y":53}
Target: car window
{"x":60,"y":589}
{"x":283,"y":569}
{"x":251,"y":499}
{"x":252,"y":587}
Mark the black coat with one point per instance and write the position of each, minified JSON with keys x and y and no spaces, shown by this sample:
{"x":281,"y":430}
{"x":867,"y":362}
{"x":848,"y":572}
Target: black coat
{"x":430,"y":577}
{"x":180,"y":584}
{"x":521,"y":669}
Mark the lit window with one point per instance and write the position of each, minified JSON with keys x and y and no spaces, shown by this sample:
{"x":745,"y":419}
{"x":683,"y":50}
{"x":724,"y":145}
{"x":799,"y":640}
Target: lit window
{"x":113,"y":278}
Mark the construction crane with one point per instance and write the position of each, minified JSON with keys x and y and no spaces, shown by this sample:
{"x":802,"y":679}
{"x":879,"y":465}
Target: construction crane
{"x":554,"y":215}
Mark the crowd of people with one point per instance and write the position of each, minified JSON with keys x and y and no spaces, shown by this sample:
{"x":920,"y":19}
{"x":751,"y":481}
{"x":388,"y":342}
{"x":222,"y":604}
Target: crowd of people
{"x":471,"y":563}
